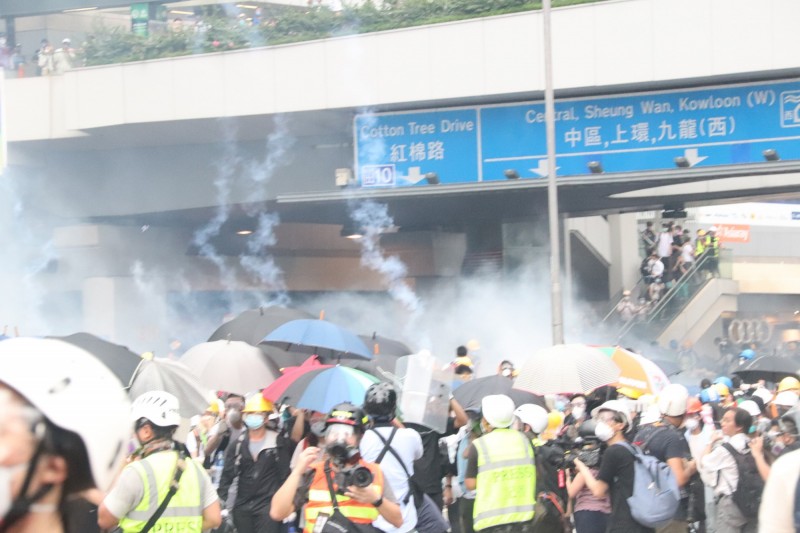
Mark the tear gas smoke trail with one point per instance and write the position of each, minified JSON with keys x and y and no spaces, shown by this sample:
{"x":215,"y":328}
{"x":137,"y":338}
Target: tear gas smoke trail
{"x":27,"y":251}
{"x":202,"y":238}
{"x":257,"y":261}
{"x":374,"y":219}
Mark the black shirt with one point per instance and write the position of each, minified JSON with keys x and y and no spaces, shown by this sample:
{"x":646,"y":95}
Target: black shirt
{"x":616,"y":471}
{"x":666,"y":442}
{"x":430,"y":468}
{"x":258,"y":480}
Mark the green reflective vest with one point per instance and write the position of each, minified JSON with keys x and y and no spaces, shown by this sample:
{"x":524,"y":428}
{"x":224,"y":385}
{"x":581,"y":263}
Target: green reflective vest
{"x":713,"y":243}
{"x":699,"y":247}
{"x":184,"y":514}
{"x":506,"y":482}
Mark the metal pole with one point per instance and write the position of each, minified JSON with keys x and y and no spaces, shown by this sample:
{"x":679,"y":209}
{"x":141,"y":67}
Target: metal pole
{"x":552,"y":191}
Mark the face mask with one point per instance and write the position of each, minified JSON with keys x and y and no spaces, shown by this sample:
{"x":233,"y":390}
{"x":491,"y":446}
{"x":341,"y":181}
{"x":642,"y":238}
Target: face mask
{"x":254,"y":421}
{"x":692,"y":424}
{"x":506,"y":372}
{"x":603,"y":431}
{"x":578,"y":411}
{"x":778,"y":447}
{"x":560,"y":405}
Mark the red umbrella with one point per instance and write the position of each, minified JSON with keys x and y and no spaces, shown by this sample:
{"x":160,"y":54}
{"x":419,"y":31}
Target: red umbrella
{"x":278,"y":387}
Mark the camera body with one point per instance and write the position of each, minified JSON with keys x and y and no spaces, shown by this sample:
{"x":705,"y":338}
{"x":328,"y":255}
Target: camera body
{"x":588,"y":449}
{"x":357,"y":475}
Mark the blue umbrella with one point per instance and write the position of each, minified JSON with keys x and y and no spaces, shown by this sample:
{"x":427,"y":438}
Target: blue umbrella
{"x":320,"y":390}
{"x":318,"y":337}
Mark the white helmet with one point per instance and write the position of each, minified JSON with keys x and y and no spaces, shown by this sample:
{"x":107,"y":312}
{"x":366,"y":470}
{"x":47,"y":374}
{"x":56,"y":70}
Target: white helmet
{"x":751,"y":407}
{"x":76,"y":392}
{"x":533,"y":415}
{"x":159,"y":407}
{"x":672,"y":400}
{"x":498,"y":410}
{"x":615,"y":406}
{"x":787,"y":398}
{"x":764,"y":394}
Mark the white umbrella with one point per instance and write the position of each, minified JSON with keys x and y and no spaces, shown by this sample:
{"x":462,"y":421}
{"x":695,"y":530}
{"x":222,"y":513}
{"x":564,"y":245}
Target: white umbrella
{"x":231,"y":366}
{"x":566,"y":368}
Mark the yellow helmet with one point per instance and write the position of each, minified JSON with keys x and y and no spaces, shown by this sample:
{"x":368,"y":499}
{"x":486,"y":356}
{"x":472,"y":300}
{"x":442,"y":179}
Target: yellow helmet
{"x":789,"y":383}
{"x":554,"y":421}
{"x":257,"y":404}
{"x":215,"y":407}
{"x":722,"y":389}
{"x":629,"y":392}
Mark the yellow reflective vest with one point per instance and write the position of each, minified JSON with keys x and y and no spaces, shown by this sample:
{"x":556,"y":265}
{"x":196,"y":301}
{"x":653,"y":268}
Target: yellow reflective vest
{"x":506,"y":481}
{"x":185,"y":510}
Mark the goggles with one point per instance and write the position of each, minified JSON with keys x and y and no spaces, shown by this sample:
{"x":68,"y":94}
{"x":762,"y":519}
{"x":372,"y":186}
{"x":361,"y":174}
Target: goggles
{"x":339,"y":432}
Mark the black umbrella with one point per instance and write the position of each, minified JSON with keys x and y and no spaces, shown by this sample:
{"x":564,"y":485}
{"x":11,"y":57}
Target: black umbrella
{"x":119,"y":359}
{"x":253,"y":325}
{"x":769,"y":368}
{"x":470,"y":394}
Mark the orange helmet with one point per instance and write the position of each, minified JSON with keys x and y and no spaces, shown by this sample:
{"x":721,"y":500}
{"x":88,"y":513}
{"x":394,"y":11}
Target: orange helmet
{"x":694,"y":405}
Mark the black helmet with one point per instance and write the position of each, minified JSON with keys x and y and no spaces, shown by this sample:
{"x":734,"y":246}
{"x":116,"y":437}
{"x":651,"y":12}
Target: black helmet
{"x":380,"y":401}
{"x":586,"y":429}
{"x":349,"y":414}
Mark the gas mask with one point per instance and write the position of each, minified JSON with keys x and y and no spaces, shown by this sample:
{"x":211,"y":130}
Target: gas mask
{"x":338,"y":444}
{"x":233,"y":417}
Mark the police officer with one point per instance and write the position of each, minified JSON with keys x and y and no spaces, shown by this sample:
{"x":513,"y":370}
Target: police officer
{"x":161,"y":470}
{"x":316,"y":484}
{"x":501,"y":468}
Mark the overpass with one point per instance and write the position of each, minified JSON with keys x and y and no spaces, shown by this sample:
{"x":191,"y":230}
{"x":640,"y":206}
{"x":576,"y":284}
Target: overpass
{"x":105,"y":151}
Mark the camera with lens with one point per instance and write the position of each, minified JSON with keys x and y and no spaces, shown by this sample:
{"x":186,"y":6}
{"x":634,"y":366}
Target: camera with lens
{"x":586,"y":447}
{"x":357,"y":475}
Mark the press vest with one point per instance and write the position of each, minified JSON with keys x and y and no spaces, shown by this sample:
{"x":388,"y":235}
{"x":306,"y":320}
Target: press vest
{"x":319,"y":498}
{"x":506,"y":482}
{"x":184,"y":514}
{"x":713,"y":243}
{"x":699,"y":247}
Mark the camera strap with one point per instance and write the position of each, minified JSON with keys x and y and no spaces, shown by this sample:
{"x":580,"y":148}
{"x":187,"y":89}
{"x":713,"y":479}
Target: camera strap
{"x":329,"y":479}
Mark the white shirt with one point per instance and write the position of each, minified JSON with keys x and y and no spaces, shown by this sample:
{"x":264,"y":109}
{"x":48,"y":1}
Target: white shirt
{"x":720,"y":465}
{"x":408,"y":445}
{"x":698,"y":443}
{"x":664,"y":244}
{"x":776,"y":514}
{"x":657,"y":269}
{"x":687,"y":252}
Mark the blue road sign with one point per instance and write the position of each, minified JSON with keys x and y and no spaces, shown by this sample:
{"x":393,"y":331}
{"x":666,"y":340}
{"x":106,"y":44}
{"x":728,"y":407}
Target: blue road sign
{"x":719,"y":125}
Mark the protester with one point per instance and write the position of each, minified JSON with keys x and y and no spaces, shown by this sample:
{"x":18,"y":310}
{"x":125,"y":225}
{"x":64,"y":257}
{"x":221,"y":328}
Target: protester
{"x":64,"y":58}
{"x":257,"y":463}
{"x":319,"y":484}
{"x":162,"y":470}
{"x":647,"y":239}
{"x":780,"y":511}
{"x":719,"y":471}
{"x":665,"y":441}
{"x":226,"y":430}
{"x":52,"y":452}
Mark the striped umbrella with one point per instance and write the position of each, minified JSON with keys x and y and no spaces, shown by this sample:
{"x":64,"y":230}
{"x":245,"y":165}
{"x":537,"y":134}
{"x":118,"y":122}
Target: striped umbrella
{"x":566,"y":368}
{"x":637,"y":373}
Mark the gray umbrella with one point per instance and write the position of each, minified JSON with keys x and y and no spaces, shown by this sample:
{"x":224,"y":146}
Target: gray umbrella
{"x":231,"y":366}
{"x":174,"y":378}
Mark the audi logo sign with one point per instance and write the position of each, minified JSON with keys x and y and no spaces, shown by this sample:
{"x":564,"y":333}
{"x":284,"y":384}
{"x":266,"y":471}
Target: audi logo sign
{"x":743,"y":331}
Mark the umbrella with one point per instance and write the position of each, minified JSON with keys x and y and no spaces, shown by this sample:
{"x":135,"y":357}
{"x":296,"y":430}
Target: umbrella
{"x":174,"y":378}
{"x":769,"y":368}
{"x":252,"y":325}
{"x":119,"y":359}
{"x":321,"y":389}
{"x":275,"y":391}
{"x":317,"y":337}
{"x":232,"y":366}
{"x":566,"y":368}
{"x":385,"y":353}
{"x":470,"y":394}
{"x":636,"y":371}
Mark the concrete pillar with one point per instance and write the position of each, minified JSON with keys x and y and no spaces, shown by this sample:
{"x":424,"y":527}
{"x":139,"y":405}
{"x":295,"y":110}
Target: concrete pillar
{"x":623,"y":272}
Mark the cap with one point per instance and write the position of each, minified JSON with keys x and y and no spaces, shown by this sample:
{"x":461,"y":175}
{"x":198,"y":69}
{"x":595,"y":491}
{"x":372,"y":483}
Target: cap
{"x":701,"y":232}
{"x":712,"y":229}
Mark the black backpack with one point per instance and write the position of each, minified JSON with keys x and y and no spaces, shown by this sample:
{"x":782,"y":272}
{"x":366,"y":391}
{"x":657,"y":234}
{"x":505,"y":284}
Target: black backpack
{"x":747,"y":495}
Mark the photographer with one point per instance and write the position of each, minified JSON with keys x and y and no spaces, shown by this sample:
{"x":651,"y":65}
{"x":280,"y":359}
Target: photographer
{"x":345,"y":491}
{"x":591,"y":512}
{"x":616,"y":467}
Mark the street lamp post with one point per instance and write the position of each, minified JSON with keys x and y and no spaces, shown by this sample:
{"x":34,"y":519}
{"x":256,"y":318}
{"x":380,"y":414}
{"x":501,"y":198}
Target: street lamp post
{"x":552,"y":191}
